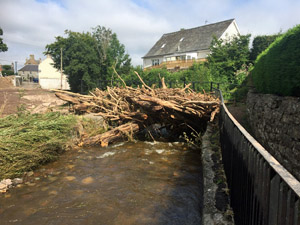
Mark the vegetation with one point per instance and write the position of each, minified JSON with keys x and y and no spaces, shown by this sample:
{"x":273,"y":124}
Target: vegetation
{"x":89,"y":57}
{"x":3,"y":46}
{"x":260,"y":43}
{"x":29,"y":140}
{"x":7,"y":70}
{"x":277,"y":68}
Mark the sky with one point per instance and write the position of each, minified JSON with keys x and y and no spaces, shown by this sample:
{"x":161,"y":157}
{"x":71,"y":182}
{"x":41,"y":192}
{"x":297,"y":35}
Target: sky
{"x":29,"y":25}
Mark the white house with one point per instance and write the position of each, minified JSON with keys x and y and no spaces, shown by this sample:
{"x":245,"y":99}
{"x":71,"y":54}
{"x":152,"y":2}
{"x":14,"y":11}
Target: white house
{"x":50,"y":77}
{"x":188,"y":44}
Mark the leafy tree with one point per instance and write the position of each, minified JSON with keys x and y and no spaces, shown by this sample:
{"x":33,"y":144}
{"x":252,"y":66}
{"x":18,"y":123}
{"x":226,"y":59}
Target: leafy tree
{"x":80,"y":59}
{"x":7,"y":70}
{"x":260,"y":43}
{"x":89,"y":58}
{"x":3,"y":46}
{"x":228,"y":56}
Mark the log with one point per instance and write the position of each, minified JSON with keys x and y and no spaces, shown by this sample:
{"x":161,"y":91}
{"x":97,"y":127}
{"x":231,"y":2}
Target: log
{"x":116,"y":134}
{"x":67,"y":98}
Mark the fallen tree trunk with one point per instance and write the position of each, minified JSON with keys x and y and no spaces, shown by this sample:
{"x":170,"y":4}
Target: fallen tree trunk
{"x":118,"y":133}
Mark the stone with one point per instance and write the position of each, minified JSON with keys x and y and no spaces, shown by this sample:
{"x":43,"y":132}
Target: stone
{"x":17,"y":181}
{"x":3,"y":187}
{"x":275,"y":122}
{"x":87,"y":180}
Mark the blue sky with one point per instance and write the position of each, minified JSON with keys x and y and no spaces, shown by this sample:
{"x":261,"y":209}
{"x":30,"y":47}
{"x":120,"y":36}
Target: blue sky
{"x":29,"y":25}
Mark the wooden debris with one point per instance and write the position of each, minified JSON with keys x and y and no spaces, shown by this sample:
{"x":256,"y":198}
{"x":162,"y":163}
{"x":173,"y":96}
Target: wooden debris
{"x":136,"y":108}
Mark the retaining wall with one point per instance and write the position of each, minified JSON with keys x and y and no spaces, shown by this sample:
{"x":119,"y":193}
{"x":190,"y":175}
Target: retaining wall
{"x":275,"y":122}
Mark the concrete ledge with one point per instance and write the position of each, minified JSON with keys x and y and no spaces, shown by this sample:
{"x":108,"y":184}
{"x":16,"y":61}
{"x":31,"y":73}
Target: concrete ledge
{"x":213,"y":214}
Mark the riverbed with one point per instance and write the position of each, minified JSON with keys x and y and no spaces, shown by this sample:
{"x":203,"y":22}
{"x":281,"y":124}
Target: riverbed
{"x":126,"y":183}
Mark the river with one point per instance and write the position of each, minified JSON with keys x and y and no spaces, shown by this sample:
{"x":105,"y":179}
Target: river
{"x":126,"y":183}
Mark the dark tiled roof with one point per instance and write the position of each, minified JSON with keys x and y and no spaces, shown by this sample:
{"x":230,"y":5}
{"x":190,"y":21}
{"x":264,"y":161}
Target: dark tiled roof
{"x":198,"y":38}
{"x":30,"y":68}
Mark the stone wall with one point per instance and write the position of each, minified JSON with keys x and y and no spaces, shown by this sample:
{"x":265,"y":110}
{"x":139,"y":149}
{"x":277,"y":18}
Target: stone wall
{"x":275,"y":122}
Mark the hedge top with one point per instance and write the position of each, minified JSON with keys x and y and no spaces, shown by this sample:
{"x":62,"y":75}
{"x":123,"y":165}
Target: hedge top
{"x":277,"y":69}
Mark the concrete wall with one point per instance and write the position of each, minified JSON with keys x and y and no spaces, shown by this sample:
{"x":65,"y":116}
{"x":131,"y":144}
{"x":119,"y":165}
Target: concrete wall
{"x":275,"y":122}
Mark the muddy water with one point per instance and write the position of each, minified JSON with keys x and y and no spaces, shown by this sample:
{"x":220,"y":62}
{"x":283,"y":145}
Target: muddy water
{"x":129,"y":183}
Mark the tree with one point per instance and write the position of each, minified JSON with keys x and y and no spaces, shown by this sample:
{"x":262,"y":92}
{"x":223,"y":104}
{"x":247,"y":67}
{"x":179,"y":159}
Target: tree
{"x":111,"y":52}
{"x":89,"y":58}
{"x":80,"y":59}
{"x":260,"y":43}
{"x":3,"y":46}
{"x":228,"y":56}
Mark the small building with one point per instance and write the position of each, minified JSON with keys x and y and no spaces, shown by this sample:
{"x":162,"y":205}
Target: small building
{"x":50,"y":77}
{"x":180,"y":49}
{"x":29,"y":72}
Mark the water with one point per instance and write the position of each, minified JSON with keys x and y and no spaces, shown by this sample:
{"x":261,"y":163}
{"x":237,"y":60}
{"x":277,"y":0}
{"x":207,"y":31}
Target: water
{"x":128,"y":183}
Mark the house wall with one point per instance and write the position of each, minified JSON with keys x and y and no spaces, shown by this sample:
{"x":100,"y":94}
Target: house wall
{"x":148,"y":61}
{"x":202,"y":54}
{"x":232,"y":30}
{"x":50,"y":77}
{"x":27,"y":74}
{"x":54,"y":83}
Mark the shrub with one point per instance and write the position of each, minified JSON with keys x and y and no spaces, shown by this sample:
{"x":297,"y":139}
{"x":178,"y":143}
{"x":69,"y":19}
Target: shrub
{"x":277,"y":69}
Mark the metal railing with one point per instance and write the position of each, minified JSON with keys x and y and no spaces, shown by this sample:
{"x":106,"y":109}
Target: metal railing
{"x":261,"y":190}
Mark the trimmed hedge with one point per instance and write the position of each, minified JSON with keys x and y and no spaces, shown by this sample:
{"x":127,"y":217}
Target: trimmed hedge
{"x":277,"y":69}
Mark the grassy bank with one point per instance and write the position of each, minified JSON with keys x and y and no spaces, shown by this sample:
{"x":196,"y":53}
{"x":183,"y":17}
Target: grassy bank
{"x":30,"y":140}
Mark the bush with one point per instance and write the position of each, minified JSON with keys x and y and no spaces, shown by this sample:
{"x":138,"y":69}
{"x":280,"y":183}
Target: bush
{"x":277,"y":69}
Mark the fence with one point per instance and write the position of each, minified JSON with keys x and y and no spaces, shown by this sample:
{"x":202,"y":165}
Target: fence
{"x":262,"y":192}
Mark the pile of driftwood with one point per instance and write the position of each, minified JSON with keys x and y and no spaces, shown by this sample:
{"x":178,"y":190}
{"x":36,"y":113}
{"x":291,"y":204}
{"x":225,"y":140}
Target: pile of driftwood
{"x":135,"y":109}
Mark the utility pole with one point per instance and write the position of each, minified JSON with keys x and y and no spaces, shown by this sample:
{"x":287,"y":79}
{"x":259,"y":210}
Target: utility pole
{"x":61,"y":73}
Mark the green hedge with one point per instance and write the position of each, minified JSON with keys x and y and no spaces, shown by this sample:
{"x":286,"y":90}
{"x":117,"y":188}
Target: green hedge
{"x":277,"y":69}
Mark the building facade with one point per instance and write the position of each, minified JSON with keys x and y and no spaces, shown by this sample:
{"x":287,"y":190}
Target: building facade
{"x":182,"y":48}
{"x":50,"y":77}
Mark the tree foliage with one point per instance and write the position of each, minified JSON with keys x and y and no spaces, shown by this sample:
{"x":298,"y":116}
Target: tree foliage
{"x":88,"y":58}
{"x":228,"y":56}
{"x":3,"y":46}
{"x":277,"y":69}
{"x":260,"y":43}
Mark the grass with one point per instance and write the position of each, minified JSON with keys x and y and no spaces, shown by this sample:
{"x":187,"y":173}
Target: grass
{"x":30,"y":140}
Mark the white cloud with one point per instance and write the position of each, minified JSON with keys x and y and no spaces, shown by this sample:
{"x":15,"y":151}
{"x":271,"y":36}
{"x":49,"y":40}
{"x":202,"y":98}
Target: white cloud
{"x":29,"y":25}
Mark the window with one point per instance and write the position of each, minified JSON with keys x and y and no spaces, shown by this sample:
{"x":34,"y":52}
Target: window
{"x":155,"y":62}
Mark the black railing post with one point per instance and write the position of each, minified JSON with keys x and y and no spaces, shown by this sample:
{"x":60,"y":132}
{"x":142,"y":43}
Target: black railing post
{"x":211,"y":86}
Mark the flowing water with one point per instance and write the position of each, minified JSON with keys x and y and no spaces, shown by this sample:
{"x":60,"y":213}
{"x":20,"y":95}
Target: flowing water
{"x":128,"y":183}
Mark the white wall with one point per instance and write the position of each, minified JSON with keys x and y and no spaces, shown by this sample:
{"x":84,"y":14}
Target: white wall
{"x":202,"y":54}
{"x":232,"y":30}
{"x":148,"y":61}
{"x":50,"y":77}
{"x":53,"y":83}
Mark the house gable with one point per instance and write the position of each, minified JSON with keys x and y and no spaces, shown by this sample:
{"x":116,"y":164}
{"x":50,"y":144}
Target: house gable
{"x":190,"y":40}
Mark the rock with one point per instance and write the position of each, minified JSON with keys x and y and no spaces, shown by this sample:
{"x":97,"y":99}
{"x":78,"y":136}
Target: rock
{"x":3,"y":187}
{"x":17,"y":181}
{"x":8,"y":182}
{"x":88,"y":180}
{"x":29,"y":174}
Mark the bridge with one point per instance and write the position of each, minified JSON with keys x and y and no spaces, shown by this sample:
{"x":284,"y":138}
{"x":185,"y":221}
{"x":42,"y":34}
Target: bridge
{"x":262,"y":191}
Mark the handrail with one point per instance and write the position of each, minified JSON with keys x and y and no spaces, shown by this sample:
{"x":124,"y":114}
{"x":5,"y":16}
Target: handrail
{"x":284,"y":174}
{"x":262,"y":190}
